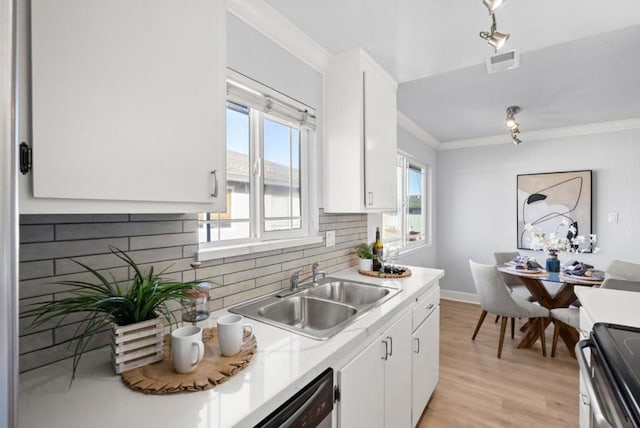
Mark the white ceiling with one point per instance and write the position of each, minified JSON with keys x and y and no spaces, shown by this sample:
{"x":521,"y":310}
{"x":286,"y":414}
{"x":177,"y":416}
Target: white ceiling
{"x":580,"y":59}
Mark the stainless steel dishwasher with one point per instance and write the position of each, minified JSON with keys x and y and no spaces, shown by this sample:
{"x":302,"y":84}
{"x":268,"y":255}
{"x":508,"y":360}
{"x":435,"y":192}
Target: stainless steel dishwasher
{"x":310,"y":407}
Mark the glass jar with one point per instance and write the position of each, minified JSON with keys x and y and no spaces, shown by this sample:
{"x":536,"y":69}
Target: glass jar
{"x":195,"y":307}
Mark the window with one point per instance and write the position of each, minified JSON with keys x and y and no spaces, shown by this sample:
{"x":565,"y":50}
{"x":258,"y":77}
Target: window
{"x":407,"y":226}
{"x":267,"y":142}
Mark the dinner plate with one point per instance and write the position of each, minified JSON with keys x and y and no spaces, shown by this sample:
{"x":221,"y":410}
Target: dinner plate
{"x":584,"y":278}
{"x":534,"y":270}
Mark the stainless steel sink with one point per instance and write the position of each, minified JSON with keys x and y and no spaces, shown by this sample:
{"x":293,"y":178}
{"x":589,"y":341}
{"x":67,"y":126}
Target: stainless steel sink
{"x":303,"y":312}
{"x":351,"y":293}
{"x":318,"y":312}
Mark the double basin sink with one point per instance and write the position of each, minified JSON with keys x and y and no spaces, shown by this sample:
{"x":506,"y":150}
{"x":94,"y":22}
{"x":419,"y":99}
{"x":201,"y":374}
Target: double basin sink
{"x":320,"y":311}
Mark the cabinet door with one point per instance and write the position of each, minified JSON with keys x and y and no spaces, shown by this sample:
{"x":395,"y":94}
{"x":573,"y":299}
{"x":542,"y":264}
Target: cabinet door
{"x":380,"y":145}
{"x":362,"y":389}
{"x":398,"y":374}
{"x":128,"y":100}
{"x":426,"y":350}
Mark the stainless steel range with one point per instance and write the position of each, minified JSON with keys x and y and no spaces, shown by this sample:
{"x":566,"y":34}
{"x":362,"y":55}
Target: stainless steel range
{"x":612,"y":374}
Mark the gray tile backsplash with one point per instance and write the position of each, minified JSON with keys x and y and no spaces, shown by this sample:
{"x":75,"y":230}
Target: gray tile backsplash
{"x":164,"y":241}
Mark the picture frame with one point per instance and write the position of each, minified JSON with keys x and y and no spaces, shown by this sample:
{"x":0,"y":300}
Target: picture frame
{"x":546,"y":199}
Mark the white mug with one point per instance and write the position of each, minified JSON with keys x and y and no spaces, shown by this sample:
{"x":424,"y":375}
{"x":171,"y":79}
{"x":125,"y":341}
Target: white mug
{"x":230,"y":333}
{"x":187,"y":349}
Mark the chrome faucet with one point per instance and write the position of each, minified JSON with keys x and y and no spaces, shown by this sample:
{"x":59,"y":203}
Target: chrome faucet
{"x":295,"y":278}
{"x":316,"y":272}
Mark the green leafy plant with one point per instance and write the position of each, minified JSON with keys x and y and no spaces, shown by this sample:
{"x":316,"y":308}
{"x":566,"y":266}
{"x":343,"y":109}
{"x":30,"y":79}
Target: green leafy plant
{"x":363,"y":251}
{"x":108,"y":301}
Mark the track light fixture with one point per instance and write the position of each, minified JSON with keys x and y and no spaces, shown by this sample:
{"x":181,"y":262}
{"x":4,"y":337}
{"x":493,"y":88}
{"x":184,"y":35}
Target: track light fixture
{"x":492,"y":5}
{"x":512,"y":124}
{"x":514,"y":138}
{"x":494,"y":38}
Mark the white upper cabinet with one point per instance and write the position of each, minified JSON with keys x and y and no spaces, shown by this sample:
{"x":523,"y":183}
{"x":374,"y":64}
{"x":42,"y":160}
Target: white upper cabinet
{"x":360,"y":136}
{"x":123,"y":103}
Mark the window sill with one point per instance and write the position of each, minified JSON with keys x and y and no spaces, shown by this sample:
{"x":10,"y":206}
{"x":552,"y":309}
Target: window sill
{"x":213,"y":253}
{"x":415,"y":248}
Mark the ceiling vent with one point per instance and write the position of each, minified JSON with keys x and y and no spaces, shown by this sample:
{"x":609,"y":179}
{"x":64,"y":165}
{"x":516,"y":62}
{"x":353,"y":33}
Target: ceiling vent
{"x":502,"y":62}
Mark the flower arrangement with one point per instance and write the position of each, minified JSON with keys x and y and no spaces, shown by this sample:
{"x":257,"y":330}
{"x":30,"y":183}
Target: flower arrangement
{"x":556,"y":242}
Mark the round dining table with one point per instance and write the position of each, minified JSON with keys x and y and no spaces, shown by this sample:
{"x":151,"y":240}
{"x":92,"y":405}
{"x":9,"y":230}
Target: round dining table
{"x":562,"y":299}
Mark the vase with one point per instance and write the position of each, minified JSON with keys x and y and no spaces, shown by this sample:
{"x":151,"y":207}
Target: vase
{"x":365,"y":265}
{"x":553,"y":264}
{"x":136,"y":345}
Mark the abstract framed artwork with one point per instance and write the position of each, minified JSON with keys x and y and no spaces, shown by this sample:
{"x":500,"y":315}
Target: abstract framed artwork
{"x":546,"y":199}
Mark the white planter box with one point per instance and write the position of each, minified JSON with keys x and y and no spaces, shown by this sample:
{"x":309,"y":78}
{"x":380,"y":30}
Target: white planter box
{"x":137,"y":345}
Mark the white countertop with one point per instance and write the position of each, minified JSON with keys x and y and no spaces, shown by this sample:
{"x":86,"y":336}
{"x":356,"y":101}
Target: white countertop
{"x":611,"y":306}
{"x":284,"y":363}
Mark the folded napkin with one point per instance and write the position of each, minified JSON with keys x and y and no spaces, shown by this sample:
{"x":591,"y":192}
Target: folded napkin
{"x":577,"y":268}
{"x":525,"y":262}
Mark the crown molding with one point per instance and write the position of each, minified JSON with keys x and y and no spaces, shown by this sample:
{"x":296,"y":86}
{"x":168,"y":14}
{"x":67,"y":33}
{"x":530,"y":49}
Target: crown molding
{"x":266,"y":20}
{"x":414,"y":129}
{"x":545,"y":134}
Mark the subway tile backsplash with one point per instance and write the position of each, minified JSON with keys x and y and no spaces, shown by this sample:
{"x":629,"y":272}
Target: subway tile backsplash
{"x":48,"y":242}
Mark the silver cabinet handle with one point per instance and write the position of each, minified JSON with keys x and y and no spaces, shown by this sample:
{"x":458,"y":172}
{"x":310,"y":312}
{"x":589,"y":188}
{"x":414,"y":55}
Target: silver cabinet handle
{"x":430,"y":305}
{"x":596,"y":407}
{"x":417,"y":339}
{"x":390,"y":339}
{"x":386,"y":350}
{"x":214,"y":176}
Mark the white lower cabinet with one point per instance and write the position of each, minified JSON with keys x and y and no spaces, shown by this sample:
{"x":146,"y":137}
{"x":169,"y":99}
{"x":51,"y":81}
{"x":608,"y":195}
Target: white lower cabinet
{"x":425,"y":363}
{"x":361,"y":384}
{"x":389,"y":383}
{"x":373,"y":385}
{"x":397,"y":374}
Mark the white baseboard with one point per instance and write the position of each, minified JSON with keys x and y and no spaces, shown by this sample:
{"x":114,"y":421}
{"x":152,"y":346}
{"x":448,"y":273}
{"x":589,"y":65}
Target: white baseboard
{"x":459,"y":296}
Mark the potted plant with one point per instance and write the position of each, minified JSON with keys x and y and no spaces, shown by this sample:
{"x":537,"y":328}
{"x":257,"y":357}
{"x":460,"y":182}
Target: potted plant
{"x":364,"y":253}
{"x":136,"y":313}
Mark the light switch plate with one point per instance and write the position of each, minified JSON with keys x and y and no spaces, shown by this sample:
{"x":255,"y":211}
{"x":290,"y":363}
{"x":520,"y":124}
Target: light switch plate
{"x":331,"y":238}
{"x":613,"y":218}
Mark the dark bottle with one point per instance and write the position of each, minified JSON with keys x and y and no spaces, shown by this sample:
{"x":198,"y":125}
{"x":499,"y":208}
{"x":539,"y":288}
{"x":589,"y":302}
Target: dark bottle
{"x":377,"y":246}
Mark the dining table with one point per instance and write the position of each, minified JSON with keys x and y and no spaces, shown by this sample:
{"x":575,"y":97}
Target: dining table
{"x":565,"y":296}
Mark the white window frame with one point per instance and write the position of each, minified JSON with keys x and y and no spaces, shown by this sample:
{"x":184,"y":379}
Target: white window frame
{"x":404,"y":161}
{"x":266,"y":103}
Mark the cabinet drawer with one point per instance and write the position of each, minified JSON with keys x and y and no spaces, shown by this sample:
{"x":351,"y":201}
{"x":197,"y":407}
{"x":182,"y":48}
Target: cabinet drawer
{"x":426,"y":304}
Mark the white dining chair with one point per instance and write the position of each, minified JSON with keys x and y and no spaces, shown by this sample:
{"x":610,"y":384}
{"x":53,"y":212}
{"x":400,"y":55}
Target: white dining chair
{"x":496,"y":298}
{"x":570,"y":316}
{"x":621,"y":275}
{"x":514,"y":283}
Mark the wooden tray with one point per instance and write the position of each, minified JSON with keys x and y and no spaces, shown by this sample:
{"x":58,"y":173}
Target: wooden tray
{"x":214,"y":369}
{"x":376,"y":274}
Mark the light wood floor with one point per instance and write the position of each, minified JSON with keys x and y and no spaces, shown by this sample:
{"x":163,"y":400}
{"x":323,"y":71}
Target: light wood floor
{"x":476,"y":389}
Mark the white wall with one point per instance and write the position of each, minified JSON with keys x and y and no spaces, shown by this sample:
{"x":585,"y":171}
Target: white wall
{"x":476,"y":205}
{"x":253,"y":54}
{"x":423,"y":256}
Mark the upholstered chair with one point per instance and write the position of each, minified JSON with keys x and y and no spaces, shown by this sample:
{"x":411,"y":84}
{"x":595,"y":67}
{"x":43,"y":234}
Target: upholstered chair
{"x":622,"y":276}
{"x":570,"y":316}
{"x":619,"y":275}
{"x":514,"y":283}
{"x":495,"y":298}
